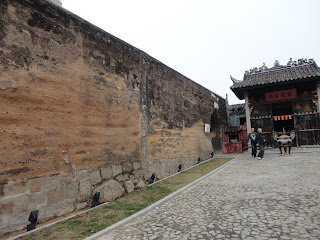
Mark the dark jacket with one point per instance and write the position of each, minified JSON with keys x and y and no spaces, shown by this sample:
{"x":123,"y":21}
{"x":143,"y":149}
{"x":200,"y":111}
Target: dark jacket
{"x":260,"y":139}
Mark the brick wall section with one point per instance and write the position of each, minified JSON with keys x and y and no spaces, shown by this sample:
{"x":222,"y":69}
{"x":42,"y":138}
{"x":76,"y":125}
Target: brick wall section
{"x":83,"y":111}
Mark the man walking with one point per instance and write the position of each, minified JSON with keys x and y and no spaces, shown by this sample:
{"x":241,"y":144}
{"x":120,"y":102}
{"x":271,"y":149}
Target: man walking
{"x":252,"y":137}
{"x":260,"y":143}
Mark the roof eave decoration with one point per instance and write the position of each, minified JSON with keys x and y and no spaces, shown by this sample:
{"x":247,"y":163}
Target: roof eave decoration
{"x":235,"y":80}
{"x":237,"y":109}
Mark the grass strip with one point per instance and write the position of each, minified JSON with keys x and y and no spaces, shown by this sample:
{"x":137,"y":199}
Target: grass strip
{"x":100,"y":218}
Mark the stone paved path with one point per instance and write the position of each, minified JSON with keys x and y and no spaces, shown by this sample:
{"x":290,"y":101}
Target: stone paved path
{"x":275,"y":198}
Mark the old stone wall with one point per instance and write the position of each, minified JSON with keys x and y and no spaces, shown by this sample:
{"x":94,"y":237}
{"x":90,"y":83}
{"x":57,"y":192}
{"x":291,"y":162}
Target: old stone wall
{"x":82,"y":111}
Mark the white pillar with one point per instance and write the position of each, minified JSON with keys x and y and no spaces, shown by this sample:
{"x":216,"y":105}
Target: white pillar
{"x":246,"y":105}
{"x":318,"y":93}
{"x":248,"y":121}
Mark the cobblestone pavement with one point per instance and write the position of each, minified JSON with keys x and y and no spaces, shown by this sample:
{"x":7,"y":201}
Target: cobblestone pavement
{"x":274,"y":198}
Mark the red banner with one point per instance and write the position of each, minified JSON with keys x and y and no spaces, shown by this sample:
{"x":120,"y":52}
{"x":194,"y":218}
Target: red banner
{"x":280,"y":95}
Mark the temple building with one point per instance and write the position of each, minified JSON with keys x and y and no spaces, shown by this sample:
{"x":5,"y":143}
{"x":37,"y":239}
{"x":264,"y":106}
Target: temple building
{"x":236,"y":114}
{"x":282,"y":99}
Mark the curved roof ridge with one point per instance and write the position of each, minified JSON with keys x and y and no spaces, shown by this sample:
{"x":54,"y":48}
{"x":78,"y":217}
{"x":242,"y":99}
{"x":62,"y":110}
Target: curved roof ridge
{"x":293,"y":70}
{"x":235,"y":80}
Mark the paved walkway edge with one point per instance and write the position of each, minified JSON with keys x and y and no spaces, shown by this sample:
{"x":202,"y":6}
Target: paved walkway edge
{"x":156,"y":204}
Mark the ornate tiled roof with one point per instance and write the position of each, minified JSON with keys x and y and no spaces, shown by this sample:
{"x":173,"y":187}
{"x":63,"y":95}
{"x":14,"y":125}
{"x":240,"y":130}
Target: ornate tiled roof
{"x":229,"y":129}
{"x":294,"y":70}
{"x":237,"y":109}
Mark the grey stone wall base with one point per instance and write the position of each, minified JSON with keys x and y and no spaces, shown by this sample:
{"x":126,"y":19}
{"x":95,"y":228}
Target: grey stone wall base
{"x":135,"y":215}
{"x":156,"y":204}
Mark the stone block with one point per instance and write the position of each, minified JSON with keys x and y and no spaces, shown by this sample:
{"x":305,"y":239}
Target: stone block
{"x":6,"y":206}
{"x":95,"y":177}
{"x":138,"y":173}
{"x":187,"y":163}
{"x":116,"y":169}
{"x":172,"y":167}
{"x":162,"y":171}
{"x":164,"y":161}
{"x":21,"y":203}
{"x":122,"y":177}
{"x":14,"y":188}
{"x":134,"y":179}
{"x":3,"y":223}
{"x":136,"y":165}
{"x":56,"y":196}
{"x":144,"y":164}
{"x":65,"y":179}
{"x":84,"y":198}
{"x":65,"y":207}
{"x":36,"y":185}
{"x":15,"y":222}
{"x":72,"y":190}
{"x":129,"y":186}
{"x":85,"y":190}
{"x":140,"y":184}
{"x":110,"y":190}
{"x":47,"y":212}
{"x":83,"y":174}
{"x":37,"y":199}
{"x":51,"y":184}
{"x":82,"y":205}
{"x":106,"y":173}
{"x":85,"y":187}
{"x":127,"y":167}
{"x":153,"y":167}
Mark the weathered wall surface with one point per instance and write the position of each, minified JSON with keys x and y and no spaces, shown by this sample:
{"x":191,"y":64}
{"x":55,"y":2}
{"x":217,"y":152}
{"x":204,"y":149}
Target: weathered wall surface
{"x":82,"y":111}
{"x":179,"y":108}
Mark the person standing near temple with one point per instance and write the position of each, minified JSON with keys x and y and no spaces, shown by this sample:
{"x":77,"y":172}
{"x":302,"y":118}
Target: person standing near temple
{"x":260,"y":143}
{"x":253,"y":138}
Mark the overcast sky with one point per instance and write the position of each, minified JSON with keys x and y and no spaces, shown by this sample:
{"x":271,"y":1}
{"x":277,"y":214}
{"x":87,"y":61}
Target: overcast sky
{"x":209,"y":40}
